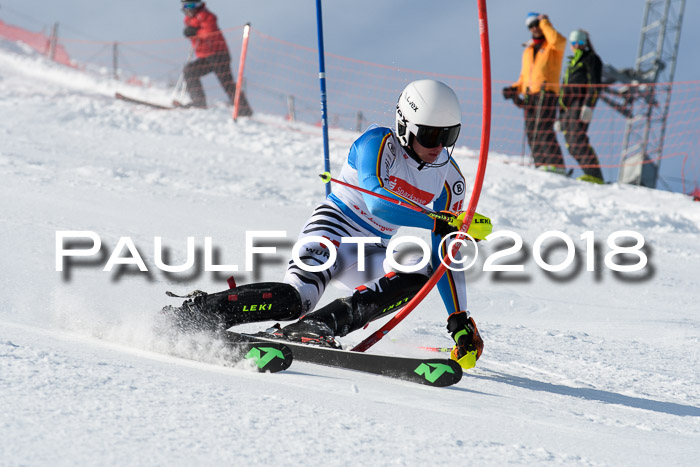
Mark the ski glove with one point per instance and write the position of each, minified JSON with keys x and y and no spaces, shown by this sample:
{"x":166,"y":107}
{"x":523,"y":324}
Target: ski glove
{"x":512,"y":93}
{"x":448,"y":224}
{"x":468,"y":343}
{"x":586,"y":114}
{"x":509,"y":92}
{"x":479,"y":229}
{"x":190,"y":31}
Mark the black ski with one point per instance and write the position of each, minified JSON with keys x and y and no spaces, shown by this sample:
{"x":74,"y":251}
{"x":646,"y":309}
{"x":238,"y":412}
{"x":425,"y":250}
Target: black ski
{"x":437,"y":372}
{"x":139,"y":101}
{"x":267,"y":356}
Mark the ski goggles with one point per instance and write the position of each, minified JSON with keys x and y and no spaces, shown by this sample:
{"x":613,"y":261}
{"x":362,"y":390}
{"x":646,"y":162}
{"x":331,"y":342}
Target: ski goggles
{"x":432,"y":136}
{"x":578,"y":43}
{"x":190,"y":6}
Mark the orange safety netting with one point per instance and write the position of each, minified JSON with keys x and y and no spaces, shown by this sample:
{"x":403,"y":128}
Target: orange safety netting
{"x":36,"y":40}
{"x":281,"y":78}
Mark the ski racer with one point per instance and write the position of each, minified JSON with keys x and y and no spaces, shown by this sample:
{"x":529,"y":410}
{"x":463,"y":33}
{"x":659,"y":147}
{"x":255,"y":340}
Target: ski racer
{"x":212,"y":56}
{"x":411,"y":164}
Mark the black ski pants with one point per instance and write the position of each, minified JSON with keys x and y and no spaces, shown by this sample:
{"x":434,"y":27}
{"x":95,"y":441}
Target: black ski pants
{"x":577,"y":142}
{"x":540,"y":111}
{"x":220,"y":65}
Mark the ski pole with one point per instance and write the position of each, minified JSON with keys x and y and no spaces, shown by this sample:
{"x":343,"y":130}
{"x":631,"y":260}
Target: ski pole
{"x":327,"y":178}
{"x":177,"y":92}
{"x":426,"y":348}
{"x":454,"y":220}
{"x":476,"y":191}
{"x":522,"y":145}
{"x":437,"y":349}
{"x":537,"y":120}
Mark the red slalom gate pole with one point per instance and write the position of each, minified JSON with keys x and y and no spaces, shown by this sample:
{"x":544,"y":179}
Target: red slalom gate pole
{"x":241,"y":66}
{"x":476,"y":191}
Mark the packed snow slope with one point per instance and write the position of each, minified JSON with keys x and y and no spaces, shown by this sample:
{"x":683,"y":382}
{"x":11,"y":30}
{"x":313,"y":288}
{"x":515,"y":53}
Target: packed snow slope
{"x":580,"y":367}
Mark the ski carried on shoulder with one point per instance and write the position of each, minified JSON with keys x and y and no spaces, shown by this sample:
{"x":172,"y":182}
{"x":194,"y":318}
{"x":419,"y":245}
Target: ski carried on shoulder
{"x":267,"y":356}
{"x":438,"y":372}
{"x":153,"y":105}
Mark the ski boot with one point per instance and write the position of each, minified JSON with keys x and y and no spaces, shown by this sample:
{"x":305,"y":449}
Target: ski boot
{"x":591,"y":179}
{"x":249,"y":303}
{"x":554,"y":169}
{"x":468,"y":343}
{"x":191,"y":316}
{"x":345,"y":315}
{"x":305,"y":331}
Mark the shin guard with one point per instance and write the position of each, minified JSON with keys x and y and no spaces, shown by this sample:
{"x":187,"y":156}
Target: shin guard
{"x":366,"y":304}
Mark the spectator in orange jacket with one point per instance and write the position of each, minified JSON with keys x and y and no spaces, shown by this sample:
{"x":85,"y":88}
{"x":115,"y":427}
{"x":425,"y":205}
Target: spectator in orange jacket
{"x":539,"y":85}
{"x":212,"y":55}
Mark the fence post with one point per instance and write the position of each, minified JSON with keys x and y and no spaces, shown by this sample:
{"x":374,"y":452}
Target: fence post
{"x":291,"y":111}
{"x":115,"y":63}
{"x":53,"y":41}
{"x":360,"y":120}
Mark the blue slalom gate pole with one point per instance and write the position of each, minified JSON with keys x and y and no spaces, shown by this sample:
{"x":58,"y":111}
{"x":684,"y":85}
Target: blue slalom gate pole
{"x":322,"y":79}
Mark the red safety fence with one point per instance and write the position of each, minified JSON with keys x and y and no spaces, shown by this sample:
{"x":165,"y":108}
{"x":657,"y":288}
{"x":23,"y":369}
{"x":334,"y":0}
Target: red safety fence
{"x":37,"y":41}
{"x":281,"y":78}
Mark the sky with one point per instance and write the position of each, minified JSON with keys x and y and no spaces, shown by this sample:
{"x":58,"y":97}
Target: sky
{"x":439,"y":36}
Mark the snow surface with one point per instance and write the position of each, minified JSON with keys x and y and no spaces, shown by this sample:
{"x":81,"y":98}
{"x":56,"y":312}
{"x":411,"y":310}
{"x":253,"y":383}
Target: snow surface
{"x":584,"y":368}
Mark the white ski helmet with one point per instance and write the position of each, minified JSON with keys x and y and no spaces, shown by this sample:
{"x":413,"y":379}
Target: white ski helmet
{"x":578,"y":36}
{"x":429,"y":111}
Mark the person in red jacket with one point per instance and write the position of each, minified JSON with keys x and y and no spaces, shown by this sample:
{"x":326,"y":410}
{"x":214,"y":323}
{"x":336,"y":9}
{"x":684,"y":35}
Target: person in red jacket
{"x":212,"y":55}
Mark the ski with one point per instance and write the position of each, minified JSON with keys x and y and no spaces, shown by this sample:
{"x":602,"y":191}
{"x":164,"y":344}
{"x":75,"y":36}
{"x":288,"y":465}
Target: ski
{"x":139,"y":101}
{"x":436,"y":372}
{"x":268,"y":356}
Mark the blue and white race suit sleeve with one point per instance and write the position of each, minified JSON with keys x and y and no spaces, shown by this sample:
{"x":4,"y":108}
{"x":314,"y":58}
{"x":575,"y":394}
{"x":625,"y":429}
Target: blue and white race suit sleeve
{"x":377,"y":163}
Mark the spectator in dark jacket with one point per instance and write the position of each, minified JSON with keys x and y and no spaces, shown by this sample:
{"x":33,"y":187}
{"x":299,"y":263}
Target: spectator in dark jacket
{"x":211,"y":54}
{"x":577,"y":98}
